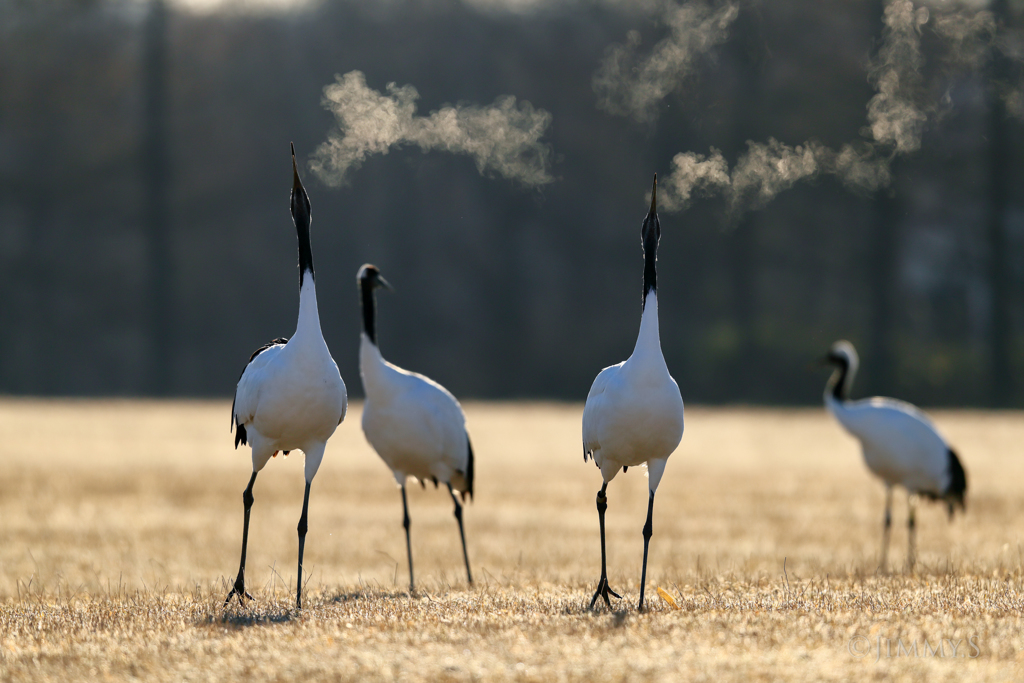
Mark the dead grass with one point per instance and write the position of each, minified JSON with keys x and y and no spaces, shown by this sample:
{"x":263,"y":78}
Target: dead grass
{"x":120,"y":525}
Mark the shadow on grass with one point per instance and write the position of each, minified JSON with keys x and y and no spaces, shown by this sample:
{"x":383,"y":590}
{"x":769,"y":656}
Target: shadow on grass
{"x":251,"y":618}
{"x":376,"y":595}
{"x":252,"y":614}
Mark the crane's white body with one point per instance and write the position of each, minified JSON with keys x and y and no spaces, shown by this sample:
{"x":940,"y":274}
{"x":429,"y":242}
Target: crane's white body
{"x":901,"y":446}
{"x":634,"y":412}
{"x":415,"y":424}
{"x":291,"y":396}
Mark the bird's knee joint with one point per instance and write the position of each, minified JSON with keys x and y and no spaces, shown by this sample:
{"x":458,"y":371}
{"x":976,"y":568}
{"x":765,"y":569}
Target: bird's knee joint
{"x":458,"y":512}
{"x":406,"y":522}
{"x":602,"y":501}
{"x":648,"y":531}
{"x":247,"y":498}
{"x":302,"y":528}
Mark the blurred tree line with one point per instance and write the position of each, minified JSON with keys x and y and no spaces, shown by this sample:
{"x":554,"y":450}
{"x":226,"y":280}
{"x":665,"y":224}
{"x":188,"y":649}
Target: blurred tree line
{"x":146,"y":246}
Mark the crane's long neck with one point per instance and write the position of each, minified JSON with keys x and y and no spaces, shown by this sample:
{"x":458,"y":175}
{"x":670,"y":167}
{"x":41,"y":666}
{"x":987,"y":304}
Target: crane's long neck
{"x":839,"y":383}
{"x":305,"y":254}
{"x":369,"y":311}
{"x":379,"y":377}
{"x":650,"y":269}
{"x":309,"y":315}
{"x":649,"y":338}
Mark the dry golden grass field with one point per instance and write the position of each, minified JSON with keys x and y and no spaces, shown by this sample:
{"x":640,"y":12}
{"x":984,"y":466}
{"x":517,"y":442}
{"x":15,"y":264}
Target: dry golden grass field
{"x":120,"y":526}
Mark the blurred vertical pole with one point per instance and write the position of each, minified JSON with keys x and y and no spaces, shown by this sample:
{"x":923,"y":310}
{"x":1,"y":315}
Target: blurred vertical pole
{"x":744,"y":269}
{"x":881,"y":270}
{"x":39,"y":322}
{"x":882,"y":266}
{"x":1001,"y":381}
{"x":155,"y":178}
{"x":742,"y":249}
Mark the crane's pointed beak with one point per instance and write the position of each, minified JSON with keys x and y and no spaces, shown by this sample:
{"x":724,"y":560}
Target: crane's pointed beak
{"x":654,"y":196}
{"x":384,"y":283}
{"x":296,"y":183}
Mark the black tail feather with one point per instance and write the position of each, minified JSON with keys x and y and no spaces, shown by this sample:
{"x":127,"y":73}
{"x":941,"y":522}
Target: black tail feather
{"x":469,"y":472}
{"x":240,"y":436}
{"x":955,"y":492}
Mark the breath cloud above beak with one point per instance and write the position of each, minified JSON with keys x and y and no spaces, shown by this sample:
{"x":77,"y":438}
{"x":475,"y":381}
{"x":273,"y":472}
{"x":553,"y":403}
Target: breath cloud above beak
{"x":503,"y":138}
{"x":628,"y":85}
{"x":896,"y":117}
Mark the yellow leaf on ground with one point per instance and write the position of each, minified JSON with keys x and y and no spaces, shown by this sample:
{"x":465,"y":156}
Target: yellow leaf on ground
{"x":668,"y":598}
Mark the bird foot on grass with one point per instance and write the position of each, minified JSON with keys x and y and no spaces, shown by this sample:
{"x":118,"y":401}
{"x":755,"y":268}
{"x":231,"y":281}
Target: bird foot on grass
{"x":239,"y":590}
{"x":603,"y":591}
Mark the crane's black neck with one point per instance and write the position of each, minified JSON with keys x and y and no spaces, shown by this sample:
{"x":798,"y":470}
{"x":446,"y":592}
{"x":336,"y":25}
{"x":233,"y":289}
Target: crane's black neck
{"x":650,"y":265}
{"x":840,"y":391}
{"x":305,"y":255}
{"x":369,"y":309}
{"x":302,"y":216}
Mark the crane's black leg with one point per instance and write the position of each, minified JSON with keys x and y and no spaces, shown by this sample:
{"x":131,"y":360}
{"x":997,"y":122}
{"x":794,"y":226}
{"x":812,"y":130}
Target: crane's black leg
{"x":239,"y":587}
{"x":648,"y":531}
{"x":911,"y":535}
{"x":886,"y":528}
{"x":406,"y":522}
{"x":302,"y":544}
{"x":462,"y":533}
{"x":602,"y":586}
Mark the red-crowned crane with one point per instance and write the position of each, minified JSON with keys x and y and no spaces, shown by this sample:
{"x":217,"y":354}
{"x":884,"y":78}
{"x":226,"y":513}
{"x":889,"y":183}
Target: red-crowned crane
{"x":415,"y":425}
{"x":290,"y":396}
{"x":634,"y":412}
{"x":901,"y":445}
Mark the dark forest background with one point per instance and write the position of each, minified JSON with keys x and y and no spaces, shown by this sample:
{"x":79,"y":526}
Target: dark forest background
{"x":146,"y":247}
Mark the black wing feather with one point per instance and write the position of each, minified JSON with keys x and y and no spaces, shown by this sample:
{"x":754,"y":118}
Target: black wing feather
{"x":240,"y":436}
